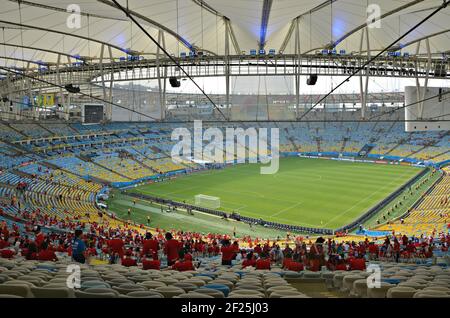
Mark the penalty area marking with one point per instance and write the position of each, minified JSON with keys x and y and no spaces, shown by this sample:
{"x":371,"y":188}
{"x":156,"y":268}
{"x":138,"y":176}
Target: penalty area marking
{"x":286,"y":209}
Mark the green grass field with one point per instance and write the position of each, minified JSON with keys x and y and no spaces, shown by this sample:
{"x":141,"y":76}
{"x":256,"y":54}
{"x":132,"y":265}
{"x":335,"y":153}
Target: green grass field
{"x":180,"y":220}
{"x":309,"y":192}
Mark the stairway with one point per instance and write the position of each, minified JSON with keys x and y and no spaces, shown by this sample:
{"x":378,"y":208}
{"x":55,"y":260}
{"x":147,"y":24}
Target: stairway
{"x":17,"y":131}
{"x":365,"y":150}
{"x":106,"y":168}
{"x":22,"y":174}
{"x":140,"y":162}
{"x":344,"y":143}
{"x":401,"y":142}
{"x":46,"y":129}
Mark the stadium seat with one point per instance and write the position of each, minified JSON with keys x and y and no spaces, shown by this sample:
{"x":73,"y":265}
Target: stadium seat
{"x":127,"y":288}
{"x":359,"y":288}
{"x":401,"y":292}
{"x":211,"y":292}
{"x":187,"y":287}
{"x":169,"y":291}
{"x":431,"y":294}
{"x":285,"y":293}
{"x":10,"y":296}
{"x":347,"y":282}
{"x":44,"y":292}
{"x":96,"y":290}
{"x":145,"y":294}
{"x":246,"y":292}
{"x":16,"y":289}
{"x":194,"y":295}
{"x":223,"y":288}
{"x":379,"y":292}
{"x":82,"y":294}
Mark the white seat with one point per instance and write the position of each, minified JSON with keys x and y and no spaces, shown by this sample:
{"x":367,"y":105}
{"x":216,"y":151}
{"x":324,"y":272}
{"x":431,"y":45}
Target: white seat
{"x":169,"y":291}
{"x":379,"y":292}
{"x":401,"y":292}
{"x":21,"y":290}
{"x":44,"y":292}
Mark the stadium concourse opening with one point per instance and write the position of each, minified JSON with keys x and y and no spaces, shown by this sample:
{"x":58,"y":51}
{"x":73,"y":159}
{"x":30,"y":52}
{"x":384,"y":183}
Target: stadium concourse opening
{"x":224,"y":150}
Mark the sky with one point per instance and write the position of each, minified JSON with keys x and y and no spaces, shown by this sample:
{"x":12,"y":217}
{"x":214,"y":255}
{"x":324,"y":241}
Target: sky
{"x":285,"y":85}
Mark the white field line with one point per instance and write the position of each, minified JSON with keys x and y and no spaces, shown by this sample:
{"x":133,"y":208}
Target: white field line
{"x":286,"y":209}
{"x":363,"y":200}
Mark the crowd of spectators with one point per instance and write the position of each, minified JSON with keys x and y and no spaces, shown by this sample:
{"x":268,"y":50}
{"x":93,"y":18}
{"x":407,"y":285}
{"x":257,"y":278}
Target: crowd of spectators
{"x":37,"y":236}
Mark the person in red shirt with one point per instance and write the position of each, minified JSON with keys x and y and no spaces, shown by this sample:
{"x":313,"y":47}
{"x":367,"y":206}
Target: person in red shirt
{"x":188,"y":257}
{"x":3,"y":244}
{"x":357,"y":264}
{"x":263,"y":262}
{"x":373,"y":250}
{"x":149,"y":263}
{"x":236,"y":248}
{"x":150,"y":245}
{"x":249,"y":261}
{"x":294,"y":266}
{"x":404,"y":240}
{"x":182,"y":264}
{"x":216,"y":249}
{"x":31,"y":252}
{"x":46,"y":254}
{"x":228,"y":252}
{"x":128,"y":260}
{"x":341,"y":266}
{"x":258,"y":249}
{"x":396,"y":249}
{"x":171,"y":249}
{"x":6,"y":253}
{"x":287,"y":258}
{"x":116,"y":247}
{"x":39,"y":237}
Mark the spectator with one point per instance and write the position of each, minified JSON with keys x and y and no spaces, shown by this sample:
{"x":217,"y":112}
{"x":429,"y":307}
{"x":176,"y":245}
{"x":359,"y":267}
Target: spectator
{"x":171,"y":249}
{"x":78,"y":248}
{"x":228,"y":252}
{"x":150,"y":245}
{"x":263,"y":262}
{"x":249,"y":261}
{"x":128,"y":260}
{"x":149,"y":263}
{"x":46,"y":253}
{"x":182,"y":264}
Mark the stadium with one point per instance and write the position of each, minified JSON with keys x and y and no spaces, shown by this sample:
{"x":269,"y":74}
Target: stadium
{"x":193,"y":149}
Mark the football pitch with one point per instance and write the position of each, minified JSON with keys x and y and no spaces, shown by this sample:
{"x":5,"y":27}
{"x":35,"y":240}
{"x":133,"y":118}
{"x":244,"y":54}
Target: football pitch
{"x":308,"y":192}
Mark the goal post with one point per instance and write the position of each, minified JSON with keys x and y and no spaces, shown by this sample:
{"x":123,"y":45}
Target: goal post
{"x":207,"y":201}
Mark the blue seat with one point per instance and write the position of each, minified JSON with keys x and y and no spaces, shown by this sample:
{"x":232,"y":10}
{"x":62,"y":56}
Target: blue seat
{"x":223,"y":288}
{"x":94,"y":284}
{"x":391,"y":281}
{"x":213,"y":276}
{"x":240,"y":273}
{"x":50,"y":268}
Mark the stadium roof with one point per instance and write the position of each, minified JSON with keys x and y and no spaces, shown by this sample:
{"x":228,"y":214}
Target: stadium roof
{"x":36,"y":30}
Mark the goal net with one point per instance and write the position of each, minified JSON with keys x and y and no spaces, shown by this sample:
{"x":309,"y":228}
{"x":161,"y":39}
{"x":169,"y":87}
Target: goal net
{"x":207,"y":201}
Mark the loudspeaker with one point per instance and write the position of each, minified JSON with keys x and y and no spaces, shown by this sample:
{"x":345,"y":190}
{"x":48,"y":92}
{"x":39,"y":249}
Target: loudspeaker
{"x":72,"y":89}
{"x":174,"y":82}
{"x":312,"y":79}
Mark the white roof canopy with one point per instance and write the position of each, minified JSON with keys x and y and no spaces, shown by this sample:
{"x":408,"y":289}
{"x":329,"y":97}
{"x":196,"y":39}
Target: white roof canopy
{"x":36,"y":30}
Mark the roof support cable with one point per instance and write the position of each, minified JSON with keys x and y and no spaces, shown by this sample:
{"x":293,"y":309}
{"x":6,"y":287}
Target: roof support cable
{"x":169,"y":56}
{"x":364,"y":65}
{"x":33,"y":78}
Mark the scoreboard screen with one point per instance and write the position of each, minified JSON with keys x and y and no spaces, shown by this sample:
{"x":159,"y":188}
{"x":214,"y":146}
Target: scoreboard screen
{"x":92,"y":113}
